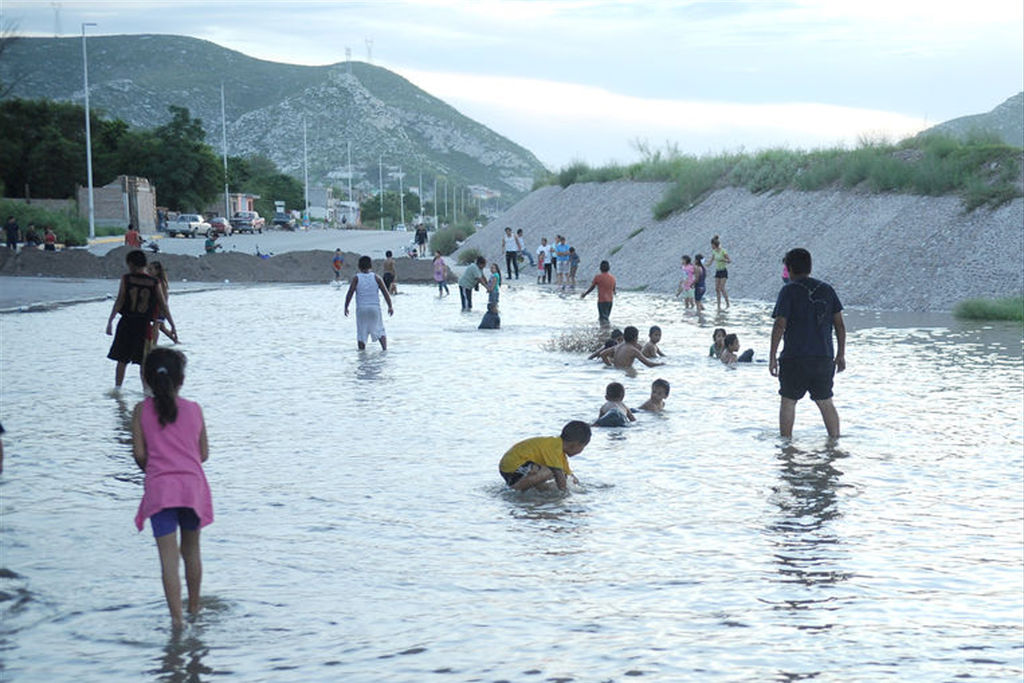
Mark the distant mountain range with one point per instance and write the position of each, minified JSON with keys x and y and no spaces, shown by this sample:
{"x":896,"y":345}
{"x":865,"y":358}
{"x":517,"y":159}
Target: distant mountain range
{"x":136,"y":78}
{"x":1006,"y":121}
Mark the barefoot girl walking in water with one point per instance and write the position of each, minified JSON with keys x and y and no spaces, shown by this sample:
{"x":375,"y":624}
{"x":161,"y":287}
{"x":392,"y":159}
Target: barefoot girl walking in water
{"x":169,"y":444}
{"x":720,"y":259}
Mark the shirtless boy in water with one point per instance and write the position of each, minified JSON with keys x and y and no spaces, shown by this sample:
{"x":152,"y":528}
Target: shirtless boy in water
{"x":651,"y":349}
{"x":623,"y":355}
{"x":659,"y":392}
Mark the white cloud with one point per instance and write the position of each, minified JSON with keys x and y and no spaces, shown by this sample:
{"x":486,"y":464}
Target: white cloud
{"x":576,"y":121}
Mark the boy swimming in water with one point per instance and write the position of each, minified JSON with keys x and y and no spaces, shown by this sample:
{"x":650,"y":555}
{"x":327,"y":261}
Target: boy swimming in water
{"x":623,"y":355}
{"x":535,"y":461}
{"x":614,"y":412}
{"x":651,"y":349}
{"x":659,"y":392}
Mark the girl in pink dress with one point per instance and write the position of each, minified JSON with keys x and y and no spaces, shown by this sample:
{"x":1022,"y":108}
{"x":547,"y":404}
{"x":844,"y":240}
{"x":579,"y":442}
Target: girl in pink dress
{"x":169,"y":444}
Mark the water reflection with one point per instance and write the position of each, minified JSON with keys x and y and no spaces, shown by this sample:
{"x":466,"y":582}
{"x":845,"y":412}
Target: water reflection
{"x":182,"y":659}
{"x":806,"y":498}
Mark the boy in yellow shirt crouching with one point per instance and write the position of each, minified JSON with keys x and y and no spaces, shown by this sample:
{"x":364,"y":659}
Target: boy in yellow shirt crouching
{"x":534,"y":461}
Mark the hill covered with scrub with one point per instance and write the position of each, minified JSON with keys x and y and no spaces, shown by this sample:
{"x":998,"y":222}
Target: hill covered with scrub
{"x":881,"y":247}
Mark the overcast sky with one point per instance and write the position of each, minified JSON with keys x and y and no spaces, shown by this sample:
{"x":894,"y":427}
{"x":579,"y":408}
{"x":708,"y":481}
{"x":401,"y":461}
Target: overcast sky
{"x":587,"y":79}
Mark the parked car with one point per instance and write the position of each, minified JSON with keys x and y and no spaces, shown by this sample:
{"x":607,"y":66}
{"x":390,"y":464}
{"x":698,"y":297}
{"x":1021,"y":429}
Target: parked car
{"x":219,"y":225}
{"x":400,"y":227}
{"x":284,"y":221}
{"x":187,"y":225}
{"x":247,"y":221}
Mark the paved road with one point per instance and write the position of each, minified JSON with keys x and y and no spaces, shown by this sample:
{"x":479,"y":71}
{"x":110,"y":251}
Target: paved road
{"x":371,"y":242}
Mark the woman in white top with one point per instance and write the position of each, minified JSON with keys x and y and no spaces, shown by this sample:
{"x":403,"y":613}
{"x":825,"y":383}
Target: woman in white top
{"x":365,"y":287}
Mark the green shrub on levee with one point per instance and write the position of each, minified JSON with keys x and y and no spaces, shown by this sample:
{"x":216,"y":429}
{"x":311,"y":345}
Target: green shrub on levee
{"x":468,"y":256}
{"x":1010,"y":308}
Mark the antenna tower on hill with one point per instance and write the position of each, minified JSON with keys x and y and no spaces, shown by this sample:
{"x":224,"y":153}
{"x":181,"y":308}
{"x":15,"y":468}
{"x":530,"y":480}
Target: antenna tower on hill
{"x":56,"y":19}
{"x":348,"y":61}
{"x":369,"y":50}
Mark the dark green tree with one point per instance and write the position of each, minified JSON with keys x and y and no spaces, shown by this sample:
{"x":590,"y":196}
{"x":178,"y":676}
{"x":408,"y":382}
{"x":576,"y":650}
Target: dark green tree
{"x":370,"y":211}
{"x":259,"y":176}
{"x":42,"y":147}
{"x":175,"y":158}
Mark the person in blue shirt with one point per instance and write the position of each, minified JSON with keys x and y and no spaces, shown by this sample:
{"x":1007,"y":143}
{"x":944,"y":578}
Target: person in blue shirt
{"x":806,"y":313}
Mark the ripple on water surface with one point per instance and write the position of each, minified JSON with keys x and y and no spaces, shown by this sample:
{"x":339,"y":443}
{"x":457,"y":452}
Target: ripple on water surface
{"x":363,"y":532}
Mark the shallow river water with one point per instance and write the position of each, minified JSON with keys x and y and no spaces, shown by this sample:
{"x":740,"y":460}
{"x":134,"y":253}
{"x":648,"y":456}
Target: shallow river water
{"x":363,"y":532}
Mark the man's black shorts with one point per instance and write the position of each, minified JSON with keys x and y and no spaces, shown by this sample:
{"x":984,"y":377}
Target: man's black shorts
{"x":797,"y":376}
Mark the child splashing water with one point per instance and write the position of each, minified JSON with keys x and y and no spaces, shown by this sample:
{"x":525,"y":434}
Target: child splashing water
{"x":169,"y":444}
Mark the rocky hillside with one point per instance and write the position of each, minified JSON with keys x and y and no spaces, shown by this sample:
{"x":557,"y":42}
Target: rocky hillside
{"x":136,"y":78}
{"x":887,"y":251}
{"x":1006,"y":121}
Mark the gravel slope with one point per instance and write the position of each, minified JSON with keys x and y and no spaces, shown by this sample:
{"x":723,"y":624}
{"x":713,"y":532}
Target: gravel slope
{"x":886,"y":251}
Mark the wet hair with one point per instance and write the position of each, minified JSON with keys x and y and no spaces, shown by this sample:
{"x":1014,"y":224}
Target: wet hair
{"x":576,"y":431}
{"x":654,"y":328}
{"x":731,"y":339}
{"x":686,"y":259}
{"x":365,"y":263}
{"x":715,"y":241}
{"x":614,"y":392}
{"x":135,"y":258}
{"x":716,"y":331}
{"x":630,"y":334}
{"x":661,"y":383}
{"x":388,"y":253}
{"x":616,"y":334}
{"x":798,"y":261}
{"x":165,"y":373}
{"x":481,"y":261}
{"x":604,"y":267}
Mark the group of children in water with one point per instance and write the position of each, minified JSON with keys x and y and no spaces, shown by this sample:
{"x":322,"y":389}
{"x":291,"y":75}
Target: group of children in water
{"x":169,"y":440}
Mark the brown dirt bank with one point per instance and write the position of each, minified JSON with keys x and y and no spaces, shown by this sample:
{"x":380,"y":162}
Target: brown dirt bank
{"x":294,"y":266}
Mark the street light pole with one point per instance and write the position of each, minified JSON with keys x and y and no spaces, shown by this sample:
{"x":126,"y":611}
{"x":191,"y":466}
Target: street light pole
{"x":401,"y":197}
{"x":88,"y":134}
{"x":380,"y":179}
{"x":224,"y":141}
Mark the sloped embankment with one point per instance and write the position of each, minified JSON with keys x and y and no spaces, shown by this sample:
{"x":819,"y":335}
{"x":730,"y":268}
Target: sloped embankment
{"x":887,"y":251}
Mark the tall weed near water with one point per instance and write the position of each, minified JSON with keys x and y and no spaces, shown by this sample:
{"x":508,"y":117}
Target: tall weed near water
{"x":1011,"y":308}
{"x":447,"y":240}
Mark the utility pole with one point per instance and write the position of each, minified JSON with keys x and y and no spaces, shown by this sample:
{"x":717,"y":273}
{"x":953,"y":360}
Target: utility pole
{"x":380,"y":179}
{"x":224,"y":141}
{"x":349,"y":145}
{"x":88,"y":134}
{"x":305,"y":166}
{"x":401,"y":197}
{"x":434,"y":199}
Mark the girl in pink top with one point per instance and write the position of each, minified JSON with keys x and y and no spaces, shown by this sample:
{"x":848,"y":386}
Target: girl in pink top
{"x":169,"y":444}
